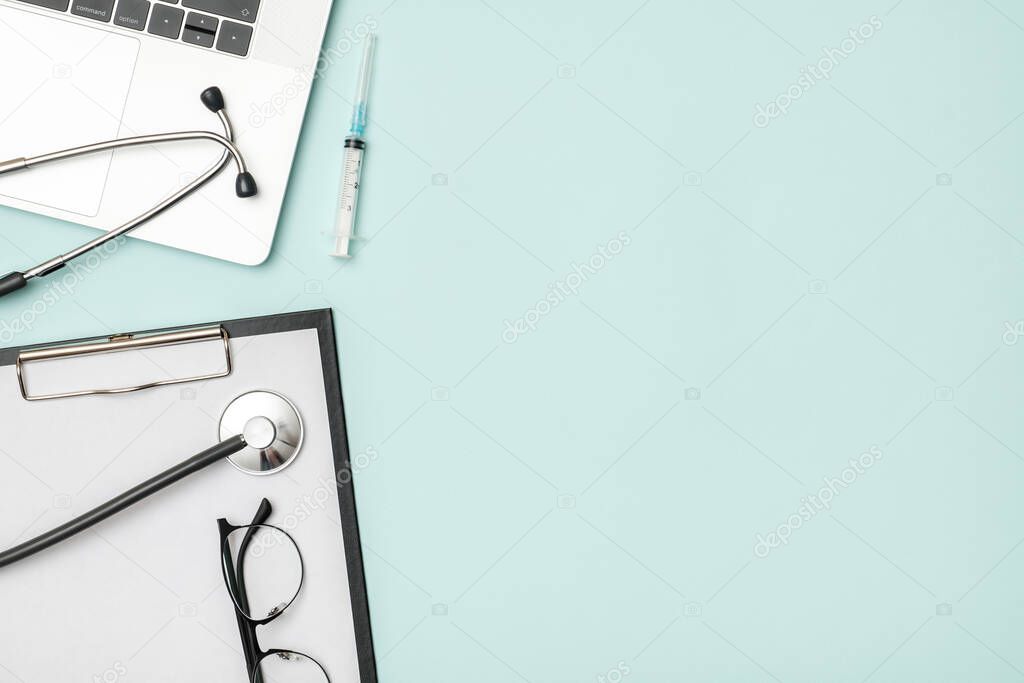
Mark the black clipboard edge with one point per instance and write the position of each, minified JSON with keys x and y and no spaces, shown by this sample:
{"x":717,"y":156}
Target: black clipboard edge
{"x":322,"y":320}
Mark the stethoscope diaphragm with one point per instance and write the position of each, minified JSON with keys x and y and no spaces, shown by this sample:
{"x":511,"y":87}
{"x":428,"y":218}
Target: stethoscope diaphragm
{"x":272,"y":429}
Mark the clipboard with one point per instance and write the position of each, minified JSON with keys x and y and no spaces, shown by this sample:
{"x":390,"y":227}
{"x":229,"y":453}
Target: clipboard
{"x":141,"y":596}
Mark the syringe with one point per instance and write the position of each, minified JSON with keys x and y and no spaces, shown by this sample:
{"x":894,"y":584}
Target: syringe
{"x":355,"y":148}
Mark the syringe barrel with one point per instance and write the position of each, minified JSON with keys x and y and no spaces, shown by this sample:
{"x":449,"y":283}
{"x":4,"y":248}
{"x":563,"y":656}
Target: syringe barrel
{"x":349,"y":199}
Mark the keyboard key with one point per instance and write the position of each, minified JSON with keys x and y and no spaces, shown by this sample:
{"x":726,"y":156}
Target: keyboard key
{"x":132,"y":14}
{"x":201,"y":22}
{"x":194,"y":37}
{"x":100,"y":10}
{"x":166,"y":21}
{"x":234,"y":38}
{"x":240,"y":10}
{"x":59,"y":5}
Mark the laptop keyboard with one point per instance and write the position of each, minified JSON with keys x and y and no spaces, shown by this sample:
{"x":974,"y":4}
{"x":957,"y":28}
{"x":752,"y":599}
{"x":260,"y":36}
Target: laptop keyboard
{"x":221,"y":25}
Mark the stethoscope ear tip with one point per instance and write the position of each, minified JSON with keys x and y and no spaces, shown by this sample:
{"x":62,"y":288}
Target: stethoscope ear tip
{"x":213,"y":99}
{"x":245,"y":185}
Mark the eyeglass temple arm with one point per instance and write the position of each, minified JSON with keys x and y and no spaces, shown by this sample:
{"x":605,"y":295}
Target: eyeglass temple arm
{"x":125,"y":500}
{"x":245,"y":630}
{"x":261,"y":516}
{"x":236,"y":583}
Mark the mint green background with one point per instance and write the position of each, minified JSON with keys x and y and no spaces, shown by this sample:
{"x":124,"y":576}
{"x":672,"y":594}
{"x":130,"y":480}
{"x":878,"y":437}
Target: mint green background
{"x":550,"y":509}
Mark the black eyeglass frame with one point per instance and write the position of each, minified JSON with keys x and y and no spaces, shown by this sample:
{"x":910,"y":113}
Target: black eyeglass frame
{"x":234,"y":579}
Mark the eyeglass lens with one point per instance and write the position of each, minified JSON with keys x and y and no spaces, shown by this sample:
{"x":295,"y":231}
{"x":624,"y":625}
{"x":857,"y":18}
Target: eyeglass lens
{"x":289,"y":667}
{"x":271,"y":570}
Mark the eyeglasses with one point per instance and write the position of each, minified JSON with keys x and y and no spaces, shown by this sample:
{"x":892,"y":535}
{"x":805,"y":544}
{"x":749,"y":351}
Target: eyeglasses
{"x":263,"y":582}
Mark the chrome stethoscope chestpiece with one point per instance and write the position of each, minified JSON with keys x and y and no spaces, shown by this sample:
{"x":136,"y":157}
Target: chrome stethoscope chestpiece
{"x":272,"y":429}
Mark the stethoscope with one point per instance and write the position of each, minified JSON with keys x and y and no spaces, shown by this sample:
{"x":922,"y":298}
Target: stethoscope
{"x":245,"y":184}
{"x":261,"y":433}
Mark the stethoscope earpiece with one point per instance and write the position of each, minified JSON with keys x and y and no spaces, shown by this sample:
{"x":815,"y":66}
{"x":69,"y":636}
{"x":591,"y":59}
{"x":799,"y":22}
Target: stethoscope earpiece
{"x":245,"y":183}
{"x":213,"y":99}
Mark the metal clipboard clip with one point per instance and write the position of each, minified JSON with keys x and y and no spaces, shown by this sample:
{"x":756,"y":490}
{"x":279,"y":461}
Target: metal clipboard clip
{"x":118,"y":343}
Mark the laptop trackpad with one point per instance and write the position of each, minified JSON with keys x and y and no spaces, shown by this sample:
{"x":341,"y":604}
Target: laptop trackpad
{"x":64,"y":85}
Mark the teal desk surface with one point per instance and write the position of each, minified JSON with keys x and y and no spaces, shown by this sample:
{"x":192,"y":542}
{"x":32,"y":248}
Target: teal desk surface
{"x":683,"y":342}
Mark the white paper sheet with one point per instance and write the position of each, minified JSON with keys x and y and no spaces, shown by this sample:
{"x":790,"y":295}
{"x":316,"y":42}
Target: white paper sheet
{"x":140,"y":597}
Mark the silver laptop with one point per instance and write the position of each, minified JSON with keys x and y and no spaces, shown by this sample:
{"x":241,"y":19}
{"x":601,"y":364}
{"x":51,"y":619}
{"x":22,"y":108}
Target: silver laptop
{"x":80,"y":71}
